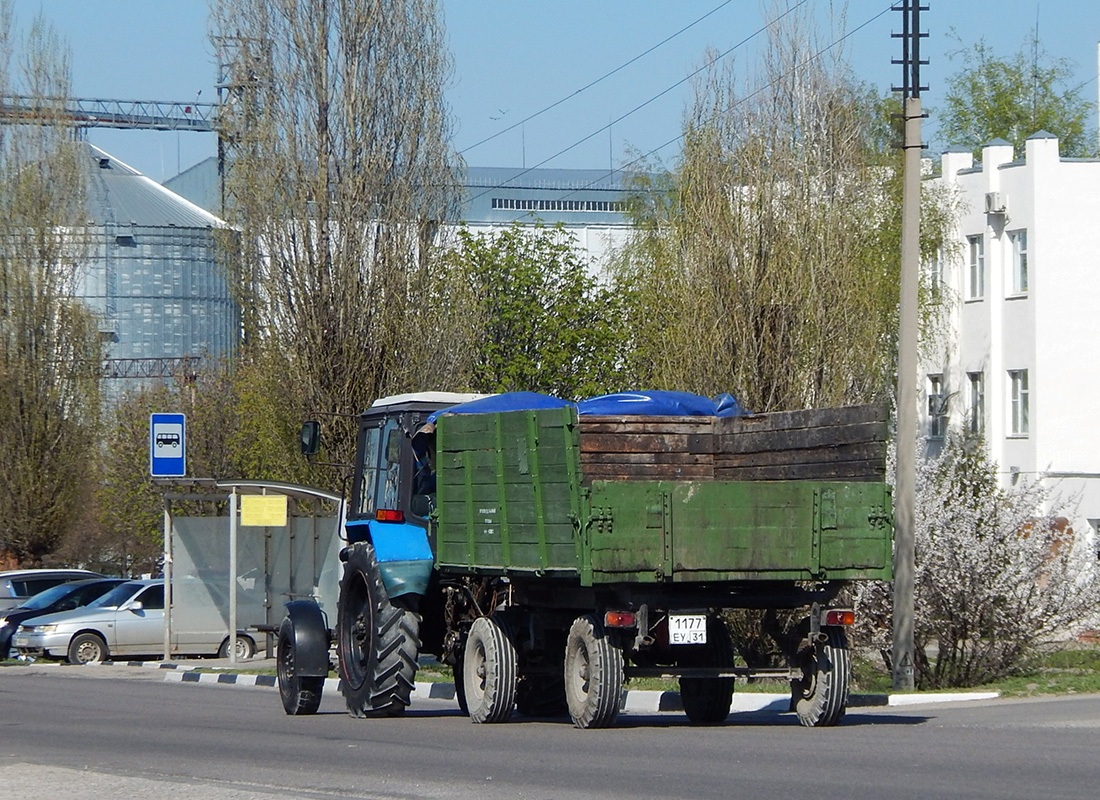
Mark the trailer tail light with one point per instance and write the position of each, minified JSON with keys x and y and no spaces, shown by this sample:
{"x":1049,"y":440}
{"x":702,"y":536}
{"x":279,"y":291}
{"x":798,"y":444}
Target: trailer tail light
{"x":389,"y":515}
{"x":840,"y":616}
{"x":620,"y":619}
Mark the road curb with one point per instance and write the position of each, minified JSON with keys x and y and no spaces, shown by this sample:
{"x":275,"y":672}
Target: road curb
{"x":633,"y":700}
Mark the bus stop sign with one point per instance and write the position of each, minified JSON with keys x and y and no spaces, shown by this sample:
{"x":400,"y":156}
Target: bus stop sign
{"x":167,"y":445}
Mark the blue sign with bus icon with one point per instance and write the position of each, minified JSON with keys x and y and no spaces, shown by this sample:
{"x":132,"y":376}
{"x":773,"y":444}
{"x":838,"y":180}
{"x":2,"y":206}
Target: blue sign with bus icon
{"x":167,"y":445}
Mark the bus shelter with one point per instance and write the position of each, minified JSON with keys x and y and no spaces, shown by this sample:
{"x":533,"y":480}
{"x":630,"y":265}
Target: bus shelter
{"x":232,"y":561}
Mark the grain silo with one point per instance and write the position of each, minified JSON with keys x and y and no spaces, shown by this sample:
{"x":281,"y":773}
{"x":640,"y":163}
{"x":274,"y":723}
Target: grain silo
{"x":152,"y":275}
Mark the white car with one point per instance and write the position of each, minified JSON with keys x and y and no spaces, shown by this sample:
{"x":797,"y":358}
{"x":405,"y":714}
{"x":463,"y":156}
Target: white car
{"x":128,"y":620}
{"x":19,"y":585}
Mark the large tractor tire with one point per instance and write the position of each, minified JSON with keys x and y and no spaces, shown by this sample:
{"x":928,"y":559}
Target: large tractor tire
{"x":707,"y":701}
{"x":820,"y":696}
{"x":593,"y":674}
{"x":489,"y":671}
{"x":378,"y":642}
{"x":300,"y":694}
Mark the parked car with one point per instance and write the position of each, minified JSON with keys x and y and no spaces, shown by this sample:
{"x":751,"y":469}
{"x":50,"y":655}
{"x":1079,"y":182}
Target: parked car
{"x":63,"y":597}
{"x":19,"y":585}
{"x":128,"y":620}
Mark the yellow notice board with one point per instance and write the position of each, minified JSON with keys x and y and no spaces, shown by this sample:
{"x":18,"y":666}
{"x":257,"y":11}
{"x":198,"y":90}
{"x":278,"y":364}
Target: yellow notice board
{"x":263,"y":510}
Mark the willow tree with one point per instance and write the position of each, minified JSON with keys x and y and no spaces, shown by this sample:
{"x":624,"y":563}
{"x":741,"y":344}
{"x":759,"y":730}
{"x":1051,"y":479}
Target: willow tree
{"x":1012,"y":97}
{"x":49,"y":351}
{"x":338,"y":175}
{"x":769,"y":267}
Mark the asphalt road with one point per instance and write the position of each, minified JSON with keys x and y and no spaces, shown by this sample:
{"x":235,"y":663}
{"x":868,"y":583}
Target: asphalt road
{"x":124,"y":732}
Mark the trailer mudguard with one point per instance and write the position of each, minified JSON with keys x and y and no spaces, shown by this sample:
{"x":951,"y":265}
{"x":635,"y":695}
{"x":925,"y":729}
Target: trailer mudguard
{"x":310,"y":636}
{"x":404,"y":554}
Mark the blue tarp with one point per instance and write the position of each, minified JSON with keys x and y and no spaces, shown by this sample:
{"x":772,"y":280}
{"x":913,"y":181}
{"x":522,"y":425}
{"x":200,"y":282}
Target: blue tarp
{"x":660,"y":404}
{"x":509,"y":401}
{"x":644,"y":403}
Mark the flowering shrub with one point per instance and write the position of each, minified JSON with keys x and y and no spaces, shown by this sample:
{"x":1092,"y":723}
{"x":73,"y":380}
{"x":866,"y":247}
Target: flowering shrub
{"x":998,"y":574}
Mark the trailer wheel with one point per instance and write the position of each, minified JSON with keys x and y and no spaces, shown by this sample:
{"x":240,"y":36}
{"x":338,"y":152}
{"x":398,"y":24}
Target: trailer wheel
{"x":378,"y":642}
{"x":707,"y":700}
{"x":489,"y":671}
{"x":459,"y":680}
{"x":593,"y":674}
{"x":300,"y":694}
{"x":541,"y":696}
{"x":820,"y":696}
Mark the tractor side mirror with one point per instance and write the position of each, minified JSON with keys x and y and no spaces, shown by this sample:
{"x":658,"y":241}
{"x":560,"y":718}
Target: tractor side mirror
{"x":310,"y":437}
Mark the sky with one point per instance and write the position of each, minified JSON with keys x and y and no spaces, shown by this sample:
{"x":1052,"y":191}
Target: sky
{"x":513,"y":59}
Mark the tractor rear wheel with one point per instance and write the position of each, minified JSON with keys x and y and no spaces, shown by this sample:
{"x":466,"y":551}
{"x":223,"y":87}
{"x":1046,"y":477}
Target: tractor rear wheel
{"x":378,"y":642}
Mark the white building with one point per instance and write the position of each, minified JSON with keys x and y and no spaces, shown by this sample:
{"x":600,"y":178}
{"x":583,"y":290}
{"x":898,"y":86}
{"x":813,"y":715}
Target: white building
{"x":589,"y":204}
{"x":1022,"y":362}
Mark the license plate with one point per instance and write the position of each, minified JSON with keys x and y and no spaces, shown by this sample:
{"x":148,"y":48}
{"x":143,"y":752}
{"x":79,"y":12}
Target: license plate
{"x":20,"y":641}
{"x":687,"y":628}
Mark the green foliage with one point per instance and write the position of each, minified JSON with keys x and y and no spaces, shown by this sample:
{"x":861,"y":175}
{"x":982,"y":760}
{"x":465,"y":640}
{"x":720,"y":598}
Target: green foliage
{"x":129,"y":537}
{"x":1012,"y":97}
{"x":544,"y":323}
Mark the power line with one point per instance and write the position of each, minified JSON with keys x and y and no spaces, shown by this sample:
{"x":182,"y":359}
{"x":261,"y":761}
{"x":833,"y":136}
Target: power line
{"x":661,"y":94}
{"x":677,"y":138}
{"x":603,"y":77}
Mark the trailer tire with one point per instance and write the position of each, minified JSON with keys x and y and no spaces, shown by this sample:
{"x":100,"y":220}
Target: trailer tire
{"x":300,"y":694}
{"x":489,"y":671}
{"x":378,"y":642}
{"x":459,"y":679}
{"x":707,"y":701}
{"x":593,"y":674}
{"x":820,"y":696}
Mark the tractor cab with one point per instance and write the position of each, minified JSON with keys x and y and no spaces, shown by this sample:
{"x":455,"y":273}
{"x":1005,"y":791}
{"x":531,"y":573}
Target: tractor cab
{"x":393,"y":490}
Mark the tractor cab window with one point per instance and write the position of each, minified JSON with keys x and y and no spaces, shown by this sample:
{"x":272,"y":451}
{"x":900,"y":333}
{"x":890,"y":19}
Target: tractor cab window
{"x":389,"y":476}
{"x":368,"y":468}
{"x":380,"y":468}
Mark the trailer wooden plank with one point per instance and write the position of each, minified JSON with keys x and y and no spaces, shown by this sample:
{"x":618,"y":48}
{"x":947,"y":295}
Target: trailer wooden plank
{"x":646,"y":443}
{"x":802,"y":438}
{"x":873,"y":470}
{"x":650,"y":471}
{"x":861,"y":451}
{"x":604,"y":424}
{"x":807,"y":418}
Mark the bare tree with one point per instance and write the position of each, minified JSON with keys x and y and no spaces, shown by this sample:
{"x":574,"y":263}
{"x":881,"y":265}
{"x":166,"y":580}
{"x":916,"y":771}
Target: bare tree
{"x":772,"y":269}
{"x":339,"y":175}
{"x":49,"y":351}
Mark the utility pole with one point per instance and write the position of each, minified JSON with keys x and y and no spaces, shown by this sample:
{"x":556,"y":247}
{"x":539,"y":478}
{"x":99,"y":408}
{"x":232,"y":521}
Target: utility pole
{"x":905,"y":482}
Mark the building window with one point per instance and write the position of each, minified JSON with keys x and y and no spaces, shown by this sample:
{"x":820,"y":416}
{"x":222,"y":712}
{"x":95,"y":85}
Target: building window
{"x":976,"y":410}
{"x":520,"y":204}
{"x":1019,"y":261}
{"x":975,"y":278}
{"x":934,"y":271}
{"x":937,"y":407}
{"x":1021,"y":396}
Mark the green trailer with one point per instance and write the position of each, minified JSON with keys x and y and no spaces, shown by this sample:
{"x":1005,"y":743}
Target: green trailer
{"x":550,"y":555}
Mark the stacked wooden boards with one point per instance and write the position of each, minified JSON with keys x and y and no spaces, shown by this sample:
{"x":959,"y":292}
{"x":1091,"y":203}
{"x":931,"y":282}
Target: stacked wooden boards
{"x":842,"y":444}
